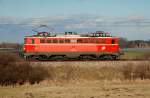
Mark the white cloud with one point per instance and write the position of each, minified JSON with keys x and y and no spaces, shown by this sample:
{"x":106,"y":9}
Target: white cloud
{"x":80,"y":21}
{"x":128,"y":26}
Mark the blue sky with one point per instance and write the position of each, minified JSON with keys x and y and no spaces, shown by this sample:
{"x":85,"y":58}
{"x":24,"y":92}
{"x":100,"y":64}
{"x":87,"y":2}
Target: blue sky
{"x":44,"y":8}
{"x":125,"y":18}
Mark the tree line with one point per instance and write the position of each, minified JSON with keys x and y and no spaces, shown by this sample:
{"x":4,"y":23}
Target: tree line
{"x":125,"y":43}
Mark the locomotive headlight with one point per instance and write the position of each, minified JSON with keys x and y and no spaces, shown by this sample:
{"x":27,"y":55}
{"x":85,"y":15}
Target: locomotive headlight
{"x":103,"y":47}
{"x":24,"y":49}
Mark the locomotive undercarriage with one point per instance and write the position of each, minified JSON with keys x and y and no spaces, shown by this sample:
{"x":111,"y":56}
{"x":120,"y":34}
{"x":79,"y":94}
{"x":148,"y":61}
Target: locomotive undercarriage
{"x":72,"y":56}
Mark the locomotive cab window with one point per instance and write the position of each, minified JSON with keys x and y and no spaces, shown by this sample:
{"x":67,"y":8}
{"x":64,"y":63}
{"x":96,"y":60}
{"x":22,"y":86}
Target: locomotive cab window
{"x":25,"y":40}
{"x":32,"y":41}
{"x":113,"y":41}
{"x":42,"y":41}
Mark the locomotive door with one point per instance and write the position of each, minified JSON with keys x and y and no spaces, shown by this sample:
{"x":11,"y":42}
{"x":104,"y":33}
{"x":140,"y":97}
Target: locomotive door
{"x":73,"y":45}
{"x":31,"y":46}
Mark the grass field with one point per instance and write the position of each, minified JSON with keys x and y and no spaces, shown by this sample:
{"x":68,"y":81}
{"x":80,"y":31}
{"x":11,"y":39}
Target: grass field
{"x":86,"y":89}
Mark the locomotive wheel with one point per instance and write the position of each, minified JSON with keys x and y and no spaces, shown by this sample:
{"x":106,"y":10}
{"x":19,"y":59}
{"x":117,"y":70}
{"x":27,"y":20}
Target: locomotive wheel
{"x":30,"y":57}
{"x":58,"y":57}
{"x":106,"y":57}
{"x":87,"y":57}
{"x":116,"y":57}
{"x":42,"y":57}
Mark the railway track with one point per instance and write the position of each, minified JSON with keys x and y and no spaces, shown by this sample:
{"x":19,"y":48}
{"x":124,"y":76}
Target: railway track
{"x":123,"y":60}
{"x":89,"y":63}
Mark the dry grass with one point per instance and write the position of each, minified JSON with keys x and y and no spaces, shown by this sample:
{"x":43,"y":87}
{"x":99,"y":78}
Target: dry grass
{"x":12,"y":72}
{"x":136,"y":71}
{"x":126,"y":71}
{"x":69,"y":73}
{"x":86,"y":89}
{"x":80,"y":80}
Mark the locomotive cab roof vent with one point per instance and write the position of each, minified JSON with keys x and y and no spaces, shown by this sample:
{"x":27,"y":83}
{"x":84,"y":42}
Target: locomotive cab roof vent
{"x":70,"y":33}
{"x":101,"y":34}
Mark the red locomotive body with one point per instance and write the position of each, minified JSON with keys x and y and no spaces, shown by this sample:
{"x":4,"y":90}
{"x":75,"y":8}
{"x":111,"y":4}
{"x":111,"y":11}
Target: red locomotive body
{"x":71,"y":45}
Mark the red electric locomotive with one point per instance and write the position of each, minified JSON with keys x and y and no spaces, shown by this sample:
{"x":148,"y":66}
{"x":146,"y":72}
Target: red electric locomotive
{"x":98,"y":45}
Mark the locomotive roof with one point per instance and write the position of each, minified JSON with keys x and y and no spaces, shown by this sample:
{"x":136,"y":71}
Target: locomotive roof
{"x":67,"y":37}
{"x":72,"y":35}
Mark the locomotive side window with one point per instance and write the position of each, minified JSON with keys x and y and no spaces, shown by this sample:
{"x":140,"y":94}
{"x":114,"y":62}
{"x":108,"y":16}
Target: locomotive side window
{"x":61,"y":41}
{"x":55,"y":41}
{"x":48,"y":41}
{"x":42,"y":41}
{"x":92,"y":41}
{"x":67,"y":41}
{"x":86,"y":41}
{"x":83,"y":41}
{"x":103,"y":41}
{"x":73,"y":41}
{"x":97,"y":41}
{"x":113,"y":41}
{"x":79,"y":41}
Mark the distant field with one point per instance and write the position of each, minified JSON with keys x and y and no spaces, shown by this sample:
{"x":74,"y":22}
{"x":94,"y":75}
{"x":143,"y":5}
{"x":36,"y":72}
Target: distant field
{"x":135,"y":53}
